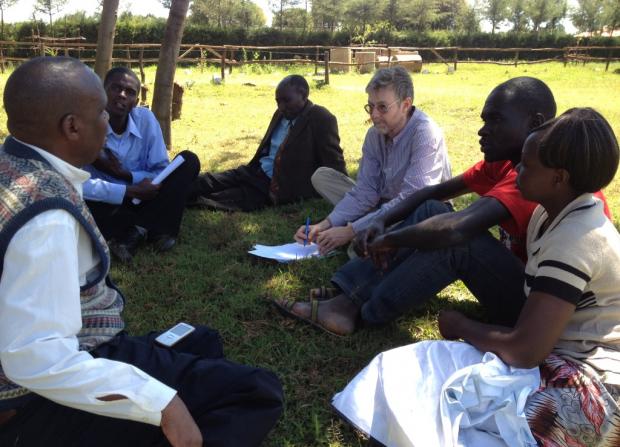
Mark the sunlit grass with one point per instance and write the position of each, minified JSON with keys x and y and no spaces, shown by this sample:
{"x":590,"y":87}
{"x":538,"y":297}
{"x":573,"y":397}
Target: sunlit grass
{"x":210,"y":279}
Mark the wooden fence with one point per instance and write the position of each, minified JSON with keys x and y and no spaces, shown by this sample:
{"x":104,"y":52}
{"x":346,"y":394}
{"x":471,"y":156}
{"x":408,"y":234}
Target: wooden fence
{"x":229,"y":56}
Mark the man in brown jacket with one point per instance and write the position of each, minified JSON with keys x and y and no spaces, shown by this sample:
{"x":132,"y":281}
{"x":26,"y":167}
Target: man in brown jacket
{"x":301,"y":137}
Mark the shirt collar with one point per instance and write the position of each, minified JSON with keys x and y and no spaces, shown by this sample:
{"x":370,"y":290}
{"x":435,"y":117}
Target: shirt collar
{"x":132,"y":128}
{"x":405,"y":129}
{"x":75,"y":175}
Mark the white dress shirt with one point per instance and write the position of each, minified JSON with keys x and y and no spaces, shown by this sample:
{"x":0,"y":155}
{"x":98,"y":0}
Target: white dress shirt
{"x":40,"y":316}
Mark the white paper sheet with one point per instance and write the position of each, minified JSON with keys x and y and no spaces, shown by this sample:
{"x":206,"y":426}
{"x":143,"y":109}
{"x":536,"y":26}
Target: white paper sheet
{"x":286,"y":252}
{"x":175,"y":163}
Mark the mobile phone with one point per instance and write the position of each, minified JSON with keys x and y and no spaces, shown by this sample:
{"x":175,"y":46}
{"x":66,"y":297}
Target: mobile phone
{"x":175,"y":334}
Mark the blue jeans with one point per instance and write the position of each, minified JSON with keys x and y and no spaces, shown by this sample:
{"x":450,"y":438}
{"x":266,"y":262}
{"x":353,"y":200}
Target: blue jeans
{"x":489,"y":270}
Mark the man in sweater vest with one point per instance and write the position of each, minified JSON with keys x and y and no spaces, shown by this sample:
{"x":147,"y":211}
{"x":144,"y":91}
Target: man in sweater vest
{"x":69,"y":373}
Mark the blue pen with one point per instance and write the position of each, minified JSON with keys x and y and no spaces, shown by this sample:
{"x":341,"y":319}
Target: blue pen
{"x":307,"y":230}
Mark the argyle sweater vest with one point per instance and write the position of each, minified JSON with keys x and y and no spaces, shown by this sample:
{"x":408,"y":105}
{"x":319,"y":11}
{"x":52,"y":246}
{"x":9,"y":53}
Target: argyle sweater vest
{"x":29,"y":186}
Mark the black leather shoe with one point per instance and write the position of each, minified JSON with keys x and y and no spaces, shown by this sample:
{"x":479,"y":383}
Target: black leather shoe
{"x":125,"y":247}
{"x":133,"y":238}
{"x":120,"y":252}
{"x":163,"y":242}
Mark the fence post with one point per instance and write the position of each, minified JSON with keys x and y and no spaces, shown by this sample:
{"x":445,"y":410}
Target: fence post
{"x":223,"y":64}
{"x":389,"y":56}
{"x":456,"y":58}
{"x":128,"y":56}
{"x":606,"y":65}
{"x":327,"y":67}
{"x":1,"y":59}
{"x":141,"y":63}
{"x":516,"y":58}
{"x":565,"y":55}
{"x":316,"y":61}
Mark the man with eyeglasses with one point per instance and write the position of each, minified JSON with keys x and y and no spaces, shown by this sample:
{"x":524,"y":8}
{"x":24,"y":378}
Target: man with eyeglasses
{"x":133,"y":155}
{"x":403,"y":152}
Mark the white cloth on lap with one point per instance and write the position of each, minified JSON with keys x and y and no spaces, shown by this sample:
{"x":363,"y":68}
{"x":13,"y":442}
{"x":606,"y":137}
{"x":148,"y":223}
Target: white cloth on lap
{"x":438,"y":393}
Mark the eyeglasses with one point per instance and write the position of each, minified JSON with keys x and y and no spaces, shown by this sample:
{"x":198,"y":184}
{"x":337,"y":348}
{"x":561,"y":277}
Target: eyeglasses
{"x":381,"y":108}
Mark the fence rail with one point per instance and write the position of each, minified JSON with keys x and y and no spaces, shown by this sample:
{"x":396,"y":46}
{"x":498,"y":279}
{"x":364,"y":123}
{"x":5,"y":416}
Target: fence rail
{"x":229,"y":56}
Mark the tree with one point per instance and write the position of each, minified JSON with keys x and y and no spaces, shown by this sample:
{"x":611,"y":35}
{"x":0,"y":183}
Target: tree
{"x":105,"y":37}
{"x":588,"y":15}
{"x":278,"y":7}
{"x":469,"y":22}
{"x":4,"y":4}
{"x":291,"y":18}
{"x":517,"y":15}
{"x":327,"y":14}
{"x":545,"y":11}
{"x":391,"y":13}
{"x":359,"y":13}
{"x":558,"y":12}
{"x":250,"y":15}
{"x":495,"y":11}
{"x":420,"y":14}
{"x":448,"y":14}
{"x":50,"y":8}
{"x":227,"y":13}
{"x":611,"y":15}
{"x":164,"y":76}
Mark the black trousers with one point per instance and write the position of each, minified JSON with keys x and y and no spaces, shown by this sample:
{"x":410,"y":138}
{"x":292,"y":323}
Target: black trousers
{"x":162,"y":215}
{"x":245,"y":188}
{"x":233,"y":405}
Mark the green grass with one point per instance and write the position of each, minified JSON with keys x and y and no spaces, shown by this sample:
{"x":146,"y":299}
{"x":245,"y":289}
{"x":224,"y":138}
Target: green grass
{"x":210,"y":279}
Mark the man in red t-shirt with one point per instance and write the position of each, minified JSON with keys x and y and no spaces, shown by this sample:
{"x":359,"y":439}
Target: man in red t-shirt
{"x":434,"y":245}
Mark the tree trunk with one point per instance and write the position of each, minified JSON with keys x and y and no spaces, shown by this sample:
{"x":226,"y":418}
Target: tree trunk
{"x":164,"y":77}
{"x":105,"y":37}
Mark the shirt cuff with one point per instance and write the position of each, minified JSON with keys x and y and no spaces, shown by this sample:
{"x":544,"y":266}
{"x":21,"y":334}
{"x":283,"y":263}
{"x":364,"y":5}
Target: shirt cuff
{"x":153,"y":397}
{"x":117,"y":193}
{"x":137,"y":176}
{"x":336,"y":220}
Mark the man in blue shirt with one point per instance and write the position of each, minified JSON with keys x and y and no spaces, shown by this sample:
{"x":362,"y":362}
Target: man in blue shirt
{"x":133,"y":155}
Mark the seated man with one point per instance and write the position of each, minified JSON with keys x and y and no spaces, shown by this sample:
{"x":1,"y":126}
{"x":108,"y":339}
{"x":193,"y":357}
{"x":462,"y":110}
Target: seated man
{"x":403,"y":152}
{"x":301,"y":137}
{"x":442,"y":246}
{"x":70,"y":375}
{"x":133,"y":155}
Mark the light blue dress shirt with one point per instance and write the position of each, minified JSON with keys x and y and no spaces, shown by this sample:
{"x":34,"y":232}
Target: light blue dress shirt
{"x":140,"y":149}
{"x":277,"y":138}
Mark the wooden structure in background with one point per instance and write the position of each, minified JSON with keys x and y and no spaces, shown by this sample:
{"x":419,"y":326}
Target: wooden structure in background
{"x":229,"y":56}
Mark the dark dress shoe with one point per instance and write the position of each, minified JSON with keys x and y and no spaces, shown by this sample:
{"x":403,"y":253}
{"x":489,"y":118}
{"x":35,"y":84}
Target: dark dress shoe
{"x":120,"y":252}
{"x":163,"y":242}
{"x":125,"y":247}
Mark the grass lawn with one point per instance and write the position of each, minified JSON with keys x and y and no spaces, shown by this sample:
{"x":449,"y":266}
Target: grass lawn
{"x":210,"y":279}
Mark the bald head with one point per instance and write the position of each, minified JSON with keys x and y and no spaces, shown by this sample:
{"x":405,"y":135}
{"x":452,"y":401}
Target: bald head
{"x":57,"y":104}
{"x":40,"y":92}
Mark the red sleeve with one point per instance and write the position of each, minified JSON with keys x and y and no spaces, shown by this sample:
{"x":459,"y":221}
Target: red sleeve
{"x":606,"y":209}
{"x":499,"y":180}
